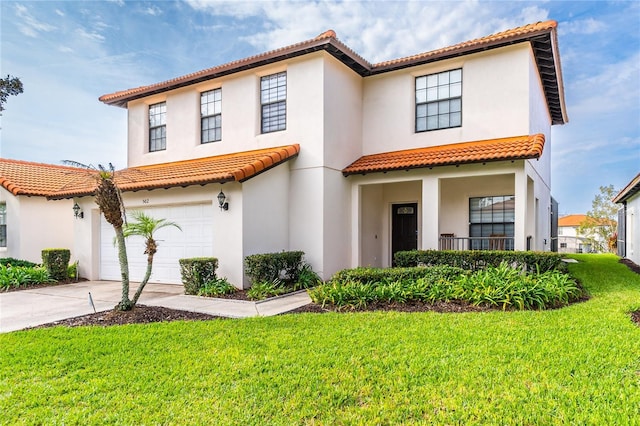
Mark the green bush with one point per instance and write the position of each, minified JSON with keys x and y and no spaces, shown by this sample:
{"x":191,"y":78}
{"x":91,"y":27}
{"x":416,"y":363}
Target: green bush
{"x":56,"y":261}
{"x":476,"y":259}
{"x":72,"y":271}
{"x":17,"y":276}
{"x":265,"y":289}
{"x":307,"y":278}
{"x":503,"y":286}
{"x":386,"y":275}
{"x":267,"y":267}
{"x":196,"y":272}
{"x":217,"y":287}
{"x":10,"y":261}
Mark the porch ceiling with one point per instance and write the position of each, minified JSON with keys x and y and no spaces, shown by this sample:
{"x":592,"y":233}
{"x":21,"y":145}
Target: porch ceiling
{"x":504,"y":149}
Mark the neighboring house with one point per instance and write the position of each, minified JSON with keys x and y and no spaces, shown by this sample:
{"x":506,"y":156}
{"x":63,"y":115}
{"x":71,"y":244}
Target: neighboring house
{"x":629,"y":221}
{"x":29,"y":222}
{"x":316,"y":149}
{"x":570,"y":240}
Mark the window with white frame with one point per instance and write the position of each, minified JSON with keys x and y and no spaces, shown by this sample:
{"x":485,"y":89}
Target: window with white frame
{"x":211,"y":116}
{"x":439,"y":100}
{"x":491,"y":218}
{"x":273,"y":100}
{"x":158,"y":127}
{"x":3,"y":225}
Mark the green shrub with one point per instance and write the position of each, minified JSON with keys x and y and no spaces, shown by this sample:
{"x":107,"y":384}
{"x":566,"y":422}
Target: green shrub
{"x":56,"y":261}
{"x":72,"y":271}
{"x":196,"y":272}
{"x":265,"y":289}
{"x":307,"y":278}
{"x":17,"y":276}
{"x":217,"y":287}
{"x":386,"y":275}
{"x":10,"y":261}
{"x":267,"y":267}
{"x":503,"y":286}
{"x":476,"y":259}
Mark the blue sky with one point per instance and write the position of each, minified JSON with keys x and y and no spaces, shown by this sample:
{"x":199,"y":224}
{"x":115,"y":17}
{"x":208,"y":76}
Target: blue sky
{"x":69,"y":53}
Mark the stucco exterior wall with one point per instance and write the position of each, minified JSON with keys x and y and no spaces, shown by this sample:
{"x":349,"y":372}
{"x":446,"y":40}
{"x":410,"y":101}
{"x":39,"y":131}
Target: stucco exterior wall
{"x":633,"y":229}
{"x":240,"y":116}
{"x":495,"y":90}
{"x":34,"y":223}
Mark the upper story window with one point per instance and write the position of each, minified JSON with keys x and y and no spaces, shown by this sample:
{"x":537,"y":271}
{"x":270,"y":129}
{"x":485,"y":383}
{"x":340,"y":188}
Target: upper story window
{"x":273,"y":99}
{"x":211,"y":116}
{"x":3,"y":225}
{"x":439,"y":100}
{"x":158,"y":127}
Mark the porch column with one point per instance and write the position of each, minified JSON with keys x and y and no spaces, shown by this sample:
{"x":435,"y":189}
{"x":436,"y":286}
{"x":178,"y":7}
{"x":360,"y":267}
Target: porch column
{"x":520,"y":225}
{"x":430,"y":213}
{"x":355,"y":225}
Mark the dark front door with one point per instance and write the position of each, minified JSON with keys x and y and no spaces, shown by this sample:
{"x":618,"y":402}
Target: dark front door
{"x":404,"y":227}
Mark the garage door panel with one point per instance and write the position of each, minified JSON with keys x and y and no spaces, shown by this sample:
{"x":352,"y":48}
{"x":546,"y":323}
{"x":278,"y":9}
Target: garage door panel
{"x":195,"y":240}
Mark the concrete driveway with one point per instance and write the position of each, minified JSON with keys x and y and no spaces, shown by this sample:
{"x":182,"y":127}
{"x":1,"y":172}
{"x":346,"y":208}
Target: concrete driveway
{"x":28,"y":308}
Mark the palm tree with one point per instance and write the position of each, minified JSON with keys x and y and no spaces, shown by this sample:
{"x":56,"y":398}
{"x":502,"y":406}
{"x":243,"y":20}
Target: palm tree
{"x":108,"y":198}
{"x":110,"y":202}
{"x":145,"y":226}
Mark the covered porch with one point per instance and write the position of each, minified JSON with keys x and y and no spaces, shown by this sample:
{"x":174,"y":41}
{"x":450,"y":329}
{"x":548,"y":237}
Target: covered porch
{"x":475,"y":207}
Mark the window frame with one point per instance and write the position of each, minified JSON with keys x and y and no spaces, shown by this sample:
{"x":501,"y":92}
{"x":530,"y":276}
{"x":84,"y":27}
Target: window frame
{"x":440,"y":93}
{"x":211,"y":110}
{"x":273,"y":102}
{"x":487,"y":228}
{"x":161,"y":126}
{"x":3,"y":225}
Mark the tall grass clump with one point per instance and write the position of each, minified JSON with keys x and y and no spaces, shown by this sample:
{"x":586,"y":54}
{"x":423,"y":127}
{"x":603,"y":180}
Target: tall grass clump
{"x":18,"y":276}
{"x":502,"y":287}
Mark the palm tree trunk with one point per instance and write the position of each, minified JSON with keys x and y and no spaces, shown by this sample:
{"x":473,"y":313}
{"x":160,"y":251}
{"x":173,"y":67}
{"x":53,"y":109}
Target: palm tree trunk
{"x":125,"y":304}
{"x":147,"y":275}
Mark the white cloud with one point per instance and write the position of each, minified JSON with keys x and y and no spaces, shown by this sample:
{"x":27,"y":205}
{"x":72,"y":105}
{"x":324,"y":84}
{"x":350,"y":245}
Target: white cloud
{"x":28,"y":24}
{"x":153,"y":11}
{"x":585,"y":26}
{"x":93,"y":36}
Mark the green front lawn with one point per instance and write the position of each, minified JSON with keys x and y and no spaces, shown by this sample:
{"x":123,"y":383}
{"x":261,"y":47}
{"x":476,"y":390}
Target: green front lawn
{"x":575,"y":365}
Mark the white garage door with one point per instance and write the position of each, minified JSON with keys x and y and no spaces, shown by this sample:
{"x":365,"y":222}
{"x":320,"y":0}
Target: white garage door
{"x":195,"y":240}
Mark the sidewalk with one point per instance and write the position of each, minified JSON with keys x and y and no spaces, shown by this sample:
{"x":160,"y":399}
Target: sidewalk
{"x":28,"y":308}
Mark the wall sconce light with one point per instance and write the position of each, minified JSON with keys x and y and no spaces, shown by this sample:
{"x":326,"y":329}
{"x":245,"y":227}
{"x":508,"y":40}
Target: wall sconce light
{"x":77,"y":213}
{"x":224,"y":205}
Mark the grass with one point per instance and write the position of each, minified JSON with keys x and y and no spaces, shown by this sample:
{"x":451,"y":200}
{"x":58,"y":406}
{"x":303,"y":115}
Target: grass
{"x":575,"y":365}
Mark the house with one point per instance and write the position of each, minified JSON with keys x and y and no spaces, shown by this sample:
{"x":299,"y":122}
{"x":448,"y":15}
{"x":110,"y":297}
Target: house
{"x":629,"y":220}
{"x":570,"y":240}
{"x":29,"y":222}
{"x":311,"y":147}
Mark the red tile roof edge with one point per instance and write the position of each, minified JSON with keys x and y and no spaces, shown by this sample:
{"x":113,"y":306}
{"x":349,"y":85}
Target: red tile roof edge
{"x":361,"y":166}
{"x":272,"y":158}
{"x":15,"y":188}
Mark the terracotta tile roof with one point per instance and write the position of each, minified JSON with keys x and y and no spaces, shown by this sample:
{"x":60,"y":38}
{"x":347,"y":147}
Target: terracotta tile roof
{"x":628,"y":191}
{"x":573,"y":220}
{"x":23,"y":178}
{"x":514,"y":148}
{"x":541,"y":35}
{"x":37,"y":179}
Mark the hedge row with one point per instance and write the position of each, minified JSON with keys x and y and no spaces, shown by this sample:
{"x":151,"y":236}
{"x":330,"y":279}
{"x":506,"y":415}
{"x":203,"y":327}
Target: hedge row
{"x":478,"y":259}
{"x":285,"y":266}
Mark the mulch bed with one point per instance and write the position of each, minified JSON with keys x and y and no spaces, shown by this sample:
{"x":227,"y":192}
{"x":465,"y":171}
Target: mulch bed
{"x":40,"y":285}
{"x":141,"y":314}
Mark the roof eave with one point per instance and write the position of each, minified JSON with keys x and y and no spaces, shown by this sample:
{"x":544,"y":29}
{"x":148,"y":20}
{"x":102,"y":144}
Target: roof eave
{"x":431,"y":166}
{"x":330,"y":45}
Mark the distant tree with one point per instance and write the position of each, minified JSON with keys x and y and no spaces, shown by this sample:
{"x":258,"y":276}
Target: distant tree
{"x":145,"y":226}
{"x":600,"y":226}
{"x":9,"y":86}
